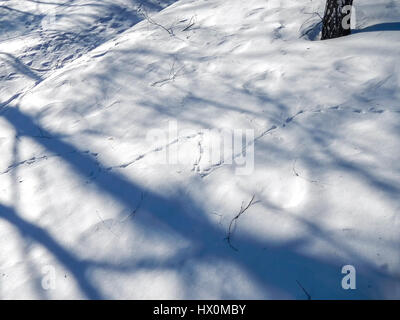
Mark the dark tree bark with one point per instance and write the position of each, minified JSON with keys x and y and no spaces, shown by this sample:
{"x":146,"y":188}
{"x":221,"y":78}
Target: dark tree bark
{"x":336,"y":21}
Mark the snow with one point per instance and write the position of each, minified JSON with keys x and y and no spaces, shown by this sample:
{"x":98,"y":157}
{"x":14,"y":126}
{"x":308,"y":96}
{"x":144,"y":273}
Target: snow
{"x":109,"y":124}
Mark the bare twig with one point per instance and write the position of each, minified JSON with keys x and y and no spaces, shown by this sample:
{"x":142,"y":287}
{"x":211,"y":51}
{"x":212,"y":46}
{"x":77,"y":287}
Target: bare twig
{"x":232,"y":225}
{"x":218,"y":215}
{"x":190,"y":24}
{"x":298,"y":175}
{"x":105,"y":225}
{"x":315,"y":14}
{"x":304,"y":290}
{"x":142,"y":196}
{"x":315,"y":26}
{"x":144,"y":13}
{"x":172,"y":76}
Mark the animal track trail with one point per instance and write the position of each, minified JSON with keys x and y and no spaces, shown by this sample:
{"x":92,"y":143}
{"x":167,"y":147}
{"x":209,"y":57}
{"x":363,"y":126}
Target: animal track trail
{"x":35,"y":159}
{"x":212,"y":168}
{"x":339,"y":108}
{"x":197,"y":169}
{"x":157,"y":149}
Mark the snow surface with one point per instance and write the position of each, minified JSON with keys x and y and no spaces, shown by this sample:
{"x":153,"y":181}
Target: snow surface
{"x":83,"y":84}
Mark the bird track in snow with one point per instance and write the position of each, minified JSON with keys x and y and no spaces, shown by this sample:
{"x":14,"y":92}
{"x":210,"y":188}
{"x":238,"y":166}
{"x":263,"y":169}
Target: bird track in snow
{"x":210,"y":169}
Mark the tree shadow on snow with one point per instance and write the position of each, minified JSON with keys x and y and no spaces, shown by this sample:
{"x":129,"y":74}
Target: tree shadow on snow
{"x":390,"y":26}
{"x":276,"y":267}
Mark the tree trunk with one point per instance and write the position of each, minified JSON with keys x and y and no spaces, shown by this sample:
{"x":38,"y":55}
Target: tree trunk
{"x":336,"y":21}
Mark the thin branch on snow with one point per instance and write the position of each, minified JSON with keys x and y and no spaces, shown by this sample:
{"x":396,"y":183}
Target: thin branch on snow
{"x":232,"y":225}
{"x":304,"y":290}
{"x":314,"y":27}
{"x":105,"y":225}
{"x":144,"y":13}
{"x":298,"y":175}
{"x":191,"y":23}
{"x":315,"y":13}
{"x":142,"y":196}
{"x":173,"y":73}
{"x":215,"y":213}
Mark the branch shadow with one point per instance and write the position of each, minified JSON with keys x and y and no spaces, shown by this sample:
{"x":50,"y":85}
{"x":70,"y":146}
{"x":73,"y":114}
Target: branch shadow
{"x":273,"y":265}
{"x":76,"y":266}
{"x":20,"y":67}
